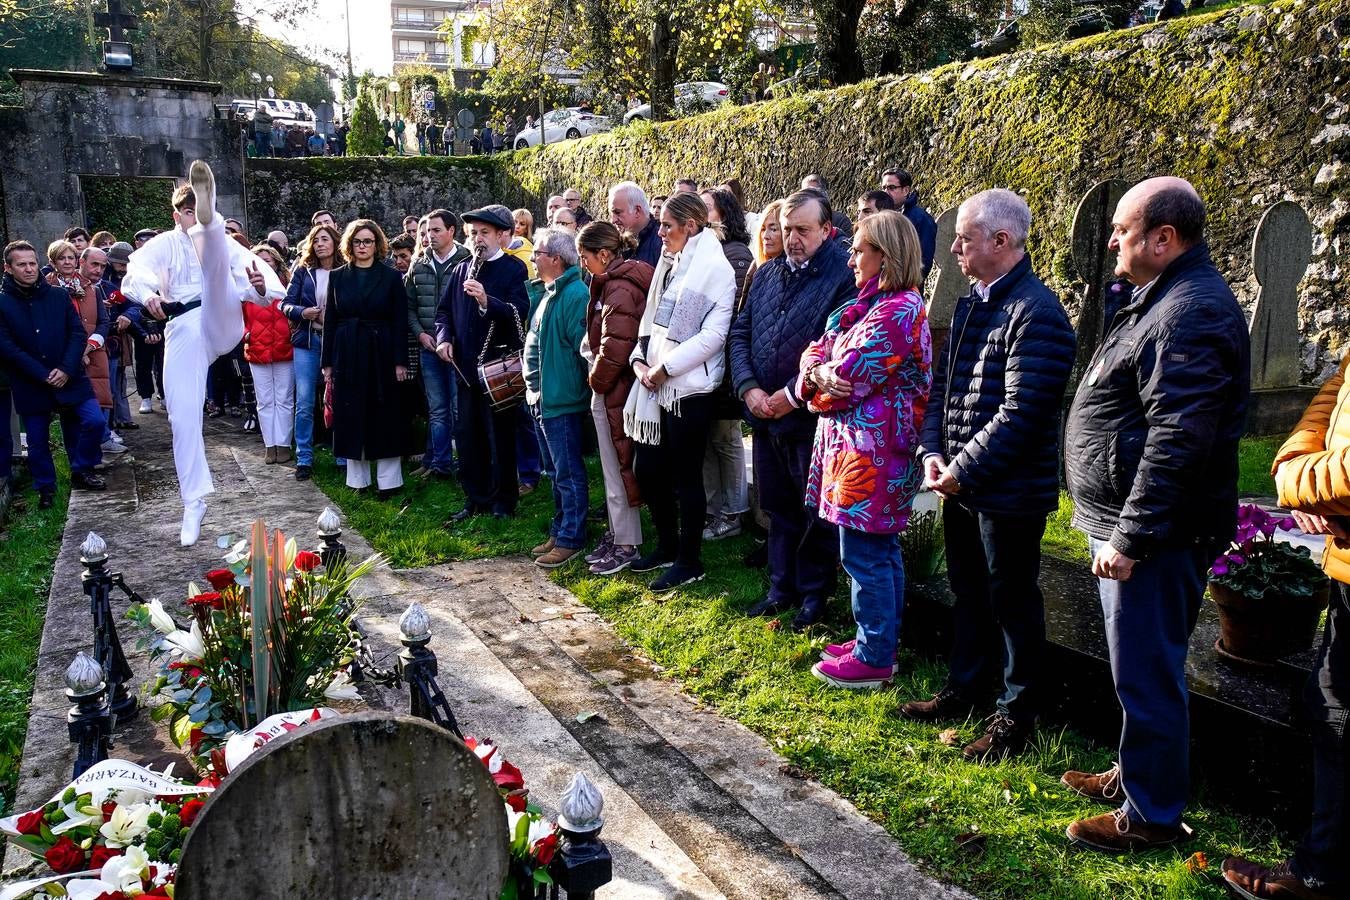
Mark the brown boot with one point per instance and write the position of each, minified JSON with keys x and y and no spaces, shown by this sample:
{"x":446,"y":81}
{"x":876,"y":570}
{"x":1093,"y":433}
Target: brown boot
{"x":543,"y":548}
{"x":1104,"y":786}
{"x":556,"y":557}
{"x":270,"y":456}
{"x":1002,"y":738}
{"x":1256,"y":882}
{"x":1115,"y":832}
{"x":284,"y":454}
{"x":945,"y":704}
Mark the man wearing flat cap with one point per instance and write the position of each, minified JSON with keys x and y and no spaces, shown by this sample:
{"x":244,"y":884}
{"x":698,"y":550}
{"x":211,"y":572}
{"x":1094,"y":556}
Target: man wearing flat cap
{"x":480,"y":317}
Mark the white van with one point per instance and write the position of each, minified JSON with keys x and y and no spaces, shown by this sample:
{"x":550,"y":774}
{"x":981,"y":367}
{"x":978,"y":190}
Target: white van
{"x":287,"y":112}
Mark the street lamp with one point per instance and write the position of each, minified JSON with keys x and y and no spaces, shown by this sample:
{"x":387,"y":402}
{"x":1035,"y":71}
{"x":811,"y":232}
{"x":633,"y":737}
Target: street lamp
{"x":270,"y":91}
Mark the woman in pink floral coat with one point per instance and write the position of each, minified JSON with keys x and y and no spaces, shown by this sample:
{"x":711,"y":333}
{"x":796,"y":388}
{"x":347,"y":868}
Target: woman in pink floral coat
{"x":868,"y":378}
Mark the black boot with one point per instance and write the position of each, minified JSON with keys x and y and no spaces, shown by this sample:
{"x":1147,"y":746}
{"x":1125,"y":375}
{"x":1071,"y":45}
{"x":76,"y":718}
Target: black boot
{"x":812,"y":612}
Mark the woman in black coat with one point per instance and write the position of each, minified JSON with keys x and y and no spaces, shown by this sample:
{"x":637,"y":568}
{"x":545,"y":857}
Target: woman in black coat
{"x":365,"y":356}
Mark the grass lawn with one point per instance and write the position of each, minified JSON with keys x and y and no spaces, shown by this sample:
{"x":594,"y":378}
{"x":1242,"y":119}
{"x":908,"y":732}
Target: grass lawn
{"x":29,"y":542}
{"x":996,"y":830}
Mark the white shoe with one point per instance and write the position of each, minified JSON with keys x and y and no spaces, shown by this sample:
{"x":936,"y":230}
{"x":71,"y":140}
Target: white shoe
{"x":111,"y":446}
{"x":146,"y":407}
{"x":193,"y":514}
{"x":204,"y":187}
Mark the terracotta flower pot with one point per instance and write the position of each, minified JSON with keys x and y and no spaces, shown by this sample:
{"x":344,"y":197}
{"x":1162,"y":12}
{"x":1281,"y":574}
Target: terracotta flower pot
{"x":1262,"y":631}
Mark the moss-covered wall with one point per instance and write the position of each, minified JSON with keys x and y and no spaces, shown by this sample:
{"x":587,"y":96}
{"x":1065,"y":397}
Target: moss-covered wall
{"x":1250,"y":104}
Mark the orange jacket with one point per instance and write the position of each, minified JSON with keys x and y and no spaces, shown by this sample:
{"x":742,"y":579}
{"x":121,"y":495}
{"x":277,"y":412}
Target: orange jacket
{"x":1316,"y":459}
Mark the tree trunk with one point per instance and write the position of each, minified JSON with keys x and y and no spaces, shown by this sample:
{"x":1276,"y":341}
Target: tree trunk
{"x":665,"y":43}
{"x":837,"y":41}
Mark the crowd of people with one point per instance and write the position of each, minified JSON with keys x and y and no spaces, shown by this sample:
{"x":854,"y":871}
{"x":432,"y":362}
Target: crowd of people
{"x":671,"y":327}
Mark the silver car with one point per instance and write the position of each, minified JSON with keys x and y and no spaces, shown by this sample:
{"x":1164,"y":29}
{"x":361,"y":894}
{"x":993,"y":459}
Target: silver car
{"x":562,"y":125}
{"x":690,"y":97}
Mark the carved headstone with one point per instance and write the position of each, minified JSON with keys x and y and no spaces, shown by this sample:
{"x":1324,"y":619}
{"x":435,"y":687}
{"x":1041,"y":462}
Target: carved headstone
{"x":947,"y":280}
{"x":369,"y":805}
{"x":1094,"y":265}
{"x":1280,"y":255}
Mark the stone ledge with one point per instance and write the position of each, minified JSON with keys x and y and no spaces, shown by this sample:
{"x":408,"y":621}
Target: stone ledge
{"x":102,"y":79}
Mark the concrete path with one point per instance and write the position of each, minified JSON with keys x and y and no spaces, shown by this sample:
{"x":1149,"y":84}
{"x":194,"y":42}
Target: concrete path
{"x":696,"y":805}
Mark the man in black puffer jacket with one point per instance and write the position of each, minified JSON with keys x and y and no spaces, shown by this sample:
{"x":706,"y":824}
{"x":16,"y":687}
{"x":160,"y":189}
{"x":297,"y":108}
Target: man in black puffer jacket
{"x":1151,"y":454}
{"x":989,"y":445}
{"x":789,"y":300}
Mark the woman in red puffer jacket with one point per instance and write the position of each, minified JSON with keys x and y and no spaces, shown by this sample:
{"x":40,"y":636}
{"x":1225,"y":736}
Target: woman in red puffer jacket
{"x":267,"y":347}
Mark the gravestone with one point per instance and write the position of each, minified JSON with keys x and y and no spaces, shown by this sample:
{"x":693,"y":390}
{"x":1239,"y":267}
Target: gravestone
{"x":1281,"y":251}
{"x":948,"y":282}
{"x":1094,"y":265}
{"x":370,"y":805}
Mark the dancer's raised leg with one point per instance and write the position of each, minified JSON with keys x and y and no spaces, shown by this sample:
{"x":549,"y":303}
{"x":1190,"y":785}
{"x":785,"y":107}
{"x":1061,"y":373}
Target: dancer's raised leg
{"x":222,"y":315}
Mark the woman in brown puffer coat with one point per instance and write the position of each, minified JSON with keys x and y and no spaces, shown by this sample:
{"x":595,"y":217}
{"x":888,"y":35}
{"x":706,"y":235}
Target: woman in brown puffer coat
{"x":618,"y":299}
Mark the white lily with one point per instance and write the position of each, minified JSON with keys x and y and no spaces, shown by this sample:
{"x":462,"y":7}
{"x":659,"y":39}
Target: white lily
{"x":539,"y":829}
{"x":76,"y":818}
{"x":127,"y":872}
{"x":188,"y":643}
{"x":341,"y":688}
{"x":160,"y":618}
{"x":125,"y":825}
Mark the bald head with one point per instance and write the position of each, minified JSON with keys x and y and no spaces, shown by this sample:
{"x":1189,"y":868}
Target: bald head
{"x":1156,"y":221}
{"x":278,"y":238}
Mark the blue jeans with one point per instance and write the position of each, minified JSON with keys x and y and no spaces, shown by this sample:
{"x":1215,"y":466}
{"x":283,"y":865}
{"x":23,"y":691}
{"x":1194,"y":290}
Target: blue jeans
{"x":1149,"y":620}
{"x":306,"y":390}
{"x":874,"y":564}
{"x":82,"y":431}
{"x":528,"y":442}
{"x":262,"y":141}
{"x":560,"y":455}
{"x":439,"y":382}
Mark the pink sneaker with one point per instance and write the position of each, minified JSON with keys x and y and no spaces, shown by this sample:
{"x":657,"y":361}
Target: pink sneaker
{"x":838,"y":651}
{"x":848,"y":672}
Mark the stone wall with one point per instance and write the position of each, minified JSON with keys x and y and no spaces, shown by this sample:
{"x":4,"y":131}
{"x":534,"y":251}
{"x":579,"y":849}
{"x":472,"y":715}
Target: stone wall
{"x":80,"y":123}
{"x":1249,"y":103}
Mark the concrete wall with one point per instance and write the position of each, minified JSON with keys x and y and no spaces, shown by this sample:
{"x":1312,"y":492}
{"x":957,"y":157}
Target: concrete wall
{"x":80,"y":123}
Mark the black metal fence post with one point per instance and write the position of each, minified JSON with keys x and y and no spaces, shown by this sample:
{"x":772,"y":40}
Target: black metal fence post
{"x":89,"y":720}
{"x":98,"y":583}
{"x":418,"y":669}
{"x":583,"y":864}
{"x":331,"y":548}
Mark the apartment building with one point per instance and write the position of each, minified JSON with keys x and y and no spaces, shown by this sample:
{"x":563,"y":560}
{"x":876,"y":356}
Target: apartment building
{"x":421,"y":35}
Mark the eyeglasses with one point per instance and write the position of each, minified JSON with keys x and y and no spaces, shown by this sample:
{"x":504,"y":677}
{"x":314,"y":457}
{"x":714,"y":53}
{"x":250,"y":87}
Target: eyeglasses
{"x":892,"y":187}
{"x":363,"y":242}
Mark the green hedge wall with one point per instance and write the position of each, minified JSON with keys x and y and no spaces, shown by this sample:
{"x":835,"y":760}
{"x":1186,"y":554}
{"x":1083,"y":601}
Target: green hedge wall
{"x":126,"y":205}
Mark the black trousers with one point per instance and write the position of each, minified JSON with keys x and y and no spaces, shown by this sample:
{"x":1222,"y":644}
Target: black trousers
{"x":1320,"y":858}
{"x":803,"y":548}
{"x":670,"y":476}
{"x":149,"y":368}
{"x":487,"y":452}
{"x":993,"y":565}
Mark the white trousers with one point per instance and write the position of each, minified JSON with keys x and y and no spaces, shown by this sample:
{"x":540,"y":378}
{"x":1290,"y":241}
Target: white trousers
{"x":274,"y":386}
{"x":192,"y":342}
{"x":625,"y":522}
{"x":388,"y":473}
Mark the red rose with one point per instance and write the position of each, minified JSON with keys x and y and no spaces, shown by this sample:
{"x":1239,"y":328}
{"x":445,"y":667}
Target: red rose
{"x":101,"y":855}
{"x":220,"y":578}
{"x":108,"y":809}
{"x":508,"y":777}
{"x":194,"y":738}
{"x":210,"y":598}
{"x":65,"y":856}
{"x":516,"y":801}
{"x":544,"y":848}
{"x":307,"y":560}
{"x":188,"y":814}
{"x":31,"y":823}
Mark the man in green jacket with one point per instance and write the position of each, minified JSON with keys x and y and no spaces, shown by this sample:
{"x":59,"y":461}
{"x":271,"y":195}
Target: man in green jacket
{"x":556,"y":390}
{"x":426,"y":282}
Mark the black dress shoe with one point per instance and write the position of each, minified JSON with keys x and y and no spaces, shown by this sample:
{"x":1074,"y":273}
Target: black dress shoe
{"x":87,"y":481}
{"x":463,"y":515}
{"x":767,"y":607}
{"x":302,"y":473}
{"x":812,"y":612}
{"x":385,"y":494}
{"x":128,"y":425}
{"x":46,"y":499}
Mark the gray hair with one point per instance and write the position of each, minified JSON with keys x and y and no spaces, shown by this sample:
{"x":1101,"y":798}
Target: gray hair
{"x":999,"y":209}
{"x":556,"y":242}
{"x":631,"y":194}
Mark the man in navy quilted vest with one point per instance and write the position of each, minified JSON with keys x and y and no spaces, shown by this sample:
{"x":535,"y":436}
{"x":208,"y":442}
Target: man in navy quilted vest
{"x":990,"y":449}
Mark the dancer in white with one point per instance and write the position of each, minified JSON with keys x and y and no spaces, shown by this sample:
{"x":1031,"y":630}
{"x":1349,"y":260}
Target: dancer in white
{"x":196,"y":276}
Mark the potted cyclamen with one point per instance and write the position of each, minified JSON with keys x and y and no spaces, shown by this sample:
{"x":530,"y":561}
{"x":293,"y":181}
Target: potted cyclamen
{"x":1270,"y":594}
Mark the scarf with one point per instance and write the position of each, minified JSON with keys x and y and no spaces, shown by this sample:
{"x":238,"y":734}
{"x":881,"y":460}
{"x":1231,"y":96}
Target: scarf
{"x":682,"y":293}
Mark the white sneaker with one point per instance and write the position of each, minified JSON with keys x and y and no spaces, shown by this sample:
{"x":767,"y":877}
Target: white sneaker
{"x":111,"y":446}
{"x":146,"y":407}
{"x":193,"y":514}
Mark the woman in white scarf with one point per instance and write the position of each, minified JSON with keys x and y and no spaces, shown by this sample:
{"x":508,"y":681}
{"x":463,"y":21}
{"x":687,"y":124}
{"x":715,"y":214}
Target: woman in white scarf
{"x":679,"y":364}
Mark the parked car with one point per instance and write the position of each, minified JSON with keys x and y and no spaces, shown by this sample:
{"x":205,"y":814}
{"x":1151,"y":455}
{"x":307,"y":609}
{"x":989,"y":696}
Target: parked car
{"x":690,"y":97}
{"x":804,"y":79}
{"x":563,"y":124}
{"x":288,"y":112}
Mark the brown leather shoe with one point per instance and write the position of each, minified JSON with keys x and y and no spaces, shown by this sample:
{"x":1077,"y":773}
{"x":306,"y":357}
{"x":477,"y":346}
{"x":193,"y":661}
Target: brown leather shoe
{"x":1104,"y":786}
{"x":1256,"y":882}
{"x":1114,"y":832}
{"x":945,"y":704}
{"x":1002,"y":738}
{"x":544,"y":547}
{"x":556,"y":557}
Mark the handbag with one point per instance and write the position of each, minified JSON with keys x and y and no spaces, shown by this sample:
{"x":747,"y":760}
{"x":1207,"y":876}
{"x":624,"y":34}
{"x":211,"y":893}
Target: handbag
{"x":328,"y":404}
{"x":504,"y":378}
